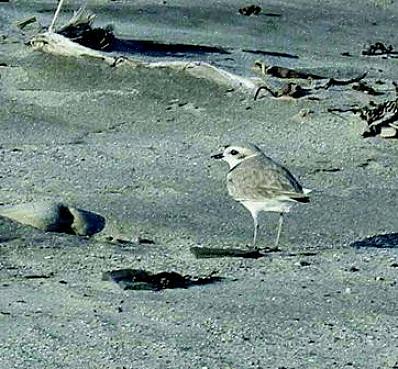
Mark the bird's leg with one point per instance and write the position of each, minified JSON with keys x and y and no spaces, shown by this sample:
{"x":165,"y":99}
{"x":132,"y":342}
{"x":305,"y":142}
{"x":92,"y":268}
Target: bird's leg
{"x":255,"y":230}
{"x":279,"y":230}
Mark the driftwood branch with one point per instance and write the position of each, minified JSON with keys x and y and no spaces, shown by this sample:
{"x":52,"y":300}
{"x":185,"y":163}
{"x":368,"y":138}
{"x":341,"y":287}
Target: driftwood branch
{"x":56,"y":44}
{"x":51,"y":28}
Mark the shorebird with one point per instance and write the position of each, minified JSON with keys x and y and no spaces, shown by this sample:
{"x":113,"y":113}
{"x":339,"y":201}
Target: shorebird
{"x":261,"y":184}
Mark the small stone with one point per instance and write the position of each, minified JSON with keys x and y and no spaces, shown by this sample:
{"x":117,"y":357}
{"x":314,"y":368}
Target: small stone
{"x":52,"y":216}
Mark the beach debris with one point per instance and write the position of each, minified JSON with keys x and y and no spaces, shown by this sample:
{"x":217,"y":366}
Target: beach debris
{"x":379,"y":49}
{"x":38,"y":276}
{"x":201,"y":252}
{"x":340,"y":82}
{"x":381,"y":119}
{"x":270,"y":53}
{"x":353,"y":109}
{"x":296,"y":91}
{"x":363,"y":87}
{"x":123,"y":241}
{"x":21,"y":24}
{"x":330,"y":169}
{"x":282,"y":72}
{"x":250,"y":10}
{"x":389,"y":240}
{"x":289,"y":90}
{"x":56,"y":44}
{"x":139,"y":279}
{"x":144,"y":241}
{"x":52,"y":216}
{"x":80,"y":29}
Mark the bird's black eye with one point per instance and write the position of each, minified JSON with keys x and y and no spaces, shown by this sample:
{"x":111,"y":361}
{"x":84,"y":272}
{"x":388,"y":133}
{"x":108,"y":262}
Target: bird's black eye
{"x":234,"y":152}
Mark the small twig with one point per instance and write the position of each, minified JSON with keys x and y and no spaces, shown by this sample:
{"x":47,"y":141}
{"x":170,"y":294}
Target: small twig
{"x":51,"y":28}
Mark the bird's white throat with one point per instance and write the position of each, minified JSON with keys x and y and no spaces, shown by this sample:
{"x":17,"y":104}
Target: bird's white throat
{"x":233,"y":161}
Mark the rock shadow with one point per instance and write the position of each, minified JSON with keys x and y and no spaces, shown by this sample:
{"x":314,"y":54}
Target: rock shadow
{"x":159,"y":49}
{"x":389,"y":240}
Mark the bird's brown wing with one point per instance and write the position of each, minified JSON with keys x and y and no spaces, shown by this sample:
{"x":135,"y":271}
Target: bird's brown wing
{"x":263,"y":180}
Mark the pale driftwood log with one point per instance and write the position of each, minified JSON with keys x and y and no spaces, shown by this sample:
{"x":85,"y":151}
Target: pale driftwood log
{"x":220,"y":76}
{"x":53,"y":43}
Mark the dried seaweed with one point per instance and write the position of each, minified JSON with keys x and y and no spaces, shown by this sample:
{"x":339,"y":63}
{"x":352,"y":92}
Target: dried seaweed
{"x":340,"y":82}
{"x":382,"y":117}
{"x":79,"y":29}
{"x":354,"y":110}
{"x":250,"y":10}
{"x":289,"y":90}
{"x":214,"y":252}
{"x":295,"y":91}
{"x":379,"y":49}
{"x":363,"y":87}
{"x":282,"y":72}
{"x":138,"y":279}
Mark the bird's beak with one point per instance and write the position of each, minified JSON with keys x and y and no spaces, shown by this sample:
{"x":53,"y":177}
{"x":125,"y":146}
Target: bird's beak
{"x":217,"y":156}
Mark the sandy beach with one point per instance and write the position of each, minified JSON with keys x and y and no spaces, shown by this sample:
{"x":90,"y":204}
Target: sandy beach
{"x":134,"y":145}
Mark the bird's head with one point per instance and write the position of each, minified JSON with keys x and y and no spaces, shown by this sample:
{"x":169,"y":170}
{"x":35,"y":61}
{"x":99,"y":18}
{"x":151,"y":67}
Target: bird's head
{"x":235,"y":154}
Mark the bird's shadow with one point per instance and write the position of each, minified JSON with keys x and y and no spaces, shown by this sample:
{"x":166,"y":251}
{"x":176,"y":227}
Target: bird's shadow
{"x":384,"y":241}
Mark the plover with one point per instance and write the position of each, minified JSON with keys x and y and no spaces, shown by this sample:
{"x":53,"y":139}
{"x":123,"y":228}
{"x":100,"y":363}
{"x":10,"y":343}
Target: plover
{"x":261,"y":184}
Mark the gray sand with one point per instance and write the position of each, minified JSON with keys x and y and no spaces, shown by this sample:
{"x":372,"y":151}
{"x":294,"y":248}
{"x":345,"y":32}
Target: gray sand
{"x":135,"y":146}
